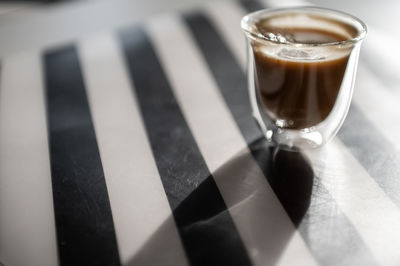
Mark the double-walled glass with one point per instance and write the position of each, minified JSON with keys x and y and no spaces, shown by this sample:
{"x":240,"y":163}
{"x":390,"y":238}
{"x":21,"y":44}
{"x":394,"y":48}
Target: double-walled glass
{"x":301,"y":86}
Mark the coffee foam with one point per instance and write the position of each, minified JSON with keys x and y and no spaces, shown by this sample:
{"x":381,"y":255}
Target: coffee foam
{"x":304,"y":55}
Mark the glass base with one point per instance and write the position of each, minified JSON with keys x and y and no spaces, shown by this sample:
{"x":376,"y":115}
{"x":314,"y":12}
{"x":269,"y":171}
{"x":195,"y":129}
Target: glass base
{"x":288,"y":139}
{"x":295,"y":139}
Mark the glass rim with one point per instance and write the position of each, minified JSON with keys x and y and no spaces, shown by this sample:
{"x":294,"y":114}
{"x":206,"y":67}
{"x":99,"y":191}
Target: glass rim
{"x":360,"y":36}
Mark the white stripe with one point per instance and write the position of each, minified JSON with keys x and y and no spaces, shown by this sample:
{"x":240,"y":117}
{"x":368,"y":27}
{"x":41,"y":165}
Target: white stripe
{"x":226,"y":17}
{"x":366,"y":205}
{"x":27,"y":229}
{"x":360,"y":186}
{"x":385,"y":56}
{"x":378,"y":104}
{"x":141,"y":213}
{"x":262,"y":222}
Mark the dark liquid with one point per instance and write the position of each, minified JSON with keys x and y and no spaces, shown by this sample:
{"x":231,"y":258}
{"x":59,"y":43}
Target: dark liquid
{"x":299,"y":94}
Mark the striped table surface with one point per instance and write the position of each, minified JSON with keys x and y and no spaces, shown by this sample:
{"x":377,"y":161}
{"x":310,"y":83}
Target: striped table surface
{"x":136,"y":146}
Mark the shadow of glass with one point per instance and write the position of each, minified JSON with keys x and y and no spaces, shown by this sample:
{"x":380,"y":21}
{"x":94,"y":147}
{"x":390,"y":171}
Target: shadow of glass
{"x":291,"y":178}
{"x":290,"y":175}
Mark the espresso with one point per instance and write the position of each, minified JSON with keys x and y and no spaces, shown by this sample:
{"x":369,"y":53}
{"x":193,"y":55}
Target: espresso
{"x":299,"y":90}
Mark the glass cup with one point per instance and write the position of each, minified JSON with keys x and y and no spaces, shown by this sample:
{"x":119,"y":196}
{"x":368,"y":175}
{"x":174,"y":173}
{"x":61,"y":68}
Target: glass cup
{"x":302,"y":63}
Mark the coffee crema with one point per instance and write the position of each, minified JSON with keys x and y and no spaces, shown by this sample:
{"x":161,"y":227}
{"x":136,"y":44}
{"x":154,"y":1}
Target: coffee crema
{"x":299,"y":89}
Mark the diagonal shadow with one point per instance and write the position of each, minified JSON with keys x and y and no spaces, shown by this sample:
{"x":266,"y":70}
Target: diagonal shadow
{"x":290,"y":176}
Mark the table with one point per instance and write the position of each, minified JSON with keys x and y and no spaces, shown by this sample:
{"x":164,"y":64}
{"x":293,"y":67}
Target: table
{"x":134,"y":145}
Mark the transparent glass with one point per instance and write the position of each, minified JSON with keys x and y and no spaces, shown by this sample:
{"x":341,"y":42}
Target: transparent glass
{"x":302,"y":63}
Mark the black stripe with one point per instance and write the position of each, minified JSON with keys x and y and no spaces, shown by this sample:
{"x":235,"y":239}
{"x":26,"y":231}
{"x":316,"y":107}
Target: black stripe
{"x":325,"y":229}
{"x":206,"y":228}
{"x":376,"y":154}
{"x":84,"y":223}
{"x":251,"y":5}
